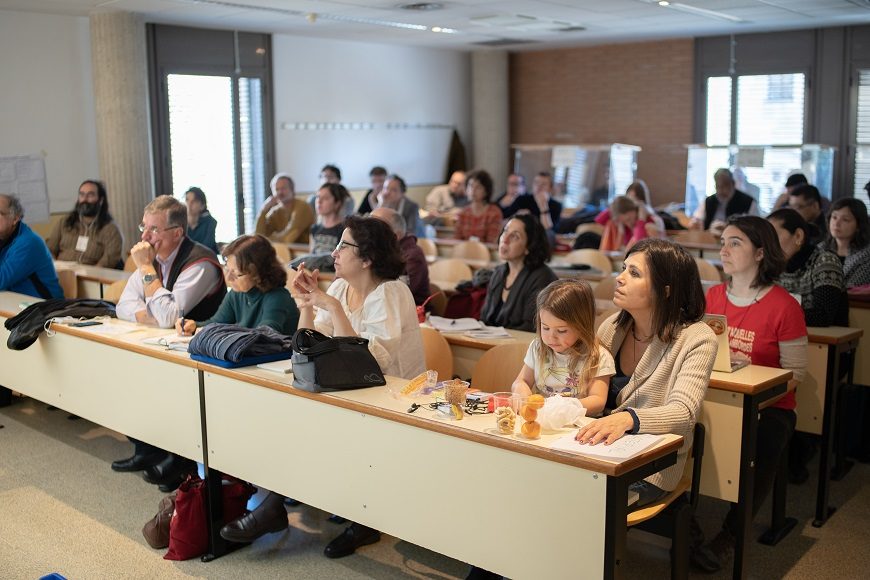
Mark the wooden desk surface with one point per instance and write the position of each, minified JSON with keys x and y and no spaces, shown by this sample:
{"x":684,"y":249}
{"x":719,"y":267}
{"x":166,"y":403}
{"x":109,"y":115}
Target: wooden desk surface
{"x":833,"y":334}
{"x":749,"y":380}
{"x":95,"y":273}
{"x":452,"y":242}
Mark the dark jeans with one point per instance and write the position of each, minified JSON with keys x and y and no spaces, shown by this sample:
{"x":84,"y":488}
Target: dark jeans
{"x":775,"y":428}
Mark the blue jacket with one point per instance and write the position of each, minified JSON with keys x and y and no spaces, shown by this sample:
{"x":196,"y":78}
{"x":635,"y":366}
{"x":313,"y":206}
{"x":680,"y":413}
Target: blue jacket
{"x":24,"y":259}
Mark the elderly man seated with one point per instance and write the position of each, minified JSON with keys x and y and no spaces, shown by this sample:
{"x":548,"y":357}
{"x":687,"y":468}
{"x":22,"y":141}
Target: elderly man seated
{"x":175,"y":278}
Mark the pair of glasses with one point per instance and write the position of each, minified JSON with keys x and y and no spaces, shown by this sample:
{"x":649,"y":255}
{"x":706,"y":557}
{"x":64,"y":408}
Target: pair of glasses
{"x":341,"y":244}
{"x":154,"y":229}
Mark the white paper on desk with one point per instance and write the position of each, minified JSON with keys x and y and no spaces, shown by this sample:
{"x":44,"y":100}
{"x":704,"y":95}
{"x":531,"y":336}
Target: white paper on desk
{"x":624,"y":448}
{"x":489,"y":332}
{"x":278,"y":366}
{"x":454,"y":324}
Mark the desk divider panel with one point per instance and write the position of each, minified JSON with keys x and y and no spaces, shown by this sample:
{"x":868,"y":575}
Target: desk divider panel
{"x":722,"y":412}
{"x":810,"y":394}
{"x":507,"y":512}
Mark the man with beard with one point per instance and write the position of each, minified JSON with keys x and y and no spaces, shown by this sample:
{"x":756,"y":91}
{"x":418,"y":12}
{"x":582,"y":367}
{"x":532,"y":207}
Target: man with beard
{"x":88,"y":235}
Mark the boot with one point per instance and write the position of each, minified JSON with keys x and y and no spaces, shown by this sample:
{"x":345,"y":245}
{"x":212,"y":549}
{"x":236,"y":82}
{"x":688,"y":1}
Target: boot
{"x":270,"y":516}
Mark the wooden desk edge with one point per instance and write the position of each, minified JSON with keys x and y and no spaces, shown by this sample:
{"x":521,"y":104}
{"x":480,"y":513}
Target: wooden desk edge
{"x":132,"y":347}
{"x":847,"y":335}
{"x":753,"y":389}
{"x":582,"y":462}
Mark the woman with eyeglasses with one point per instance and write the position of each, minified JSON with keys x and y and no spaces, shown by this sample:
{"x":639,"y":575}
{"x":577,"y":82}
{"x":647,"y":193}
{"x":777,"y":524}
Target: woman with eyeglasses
{"x":368,"y":300}
{"x":513,"y":289}
{"x":258,"y":296}
{"x":765,"y":324}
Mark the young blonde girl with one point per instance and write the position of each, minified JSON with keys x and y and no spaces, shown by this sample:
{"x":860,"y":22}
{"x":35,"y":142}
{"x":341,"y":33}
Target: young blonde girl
{"x":566,"y":358}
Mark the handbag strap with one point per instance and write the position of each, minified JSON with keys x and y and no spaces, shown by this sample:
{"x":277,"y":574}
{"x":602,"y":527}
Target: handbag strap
{"x":310,"y":342}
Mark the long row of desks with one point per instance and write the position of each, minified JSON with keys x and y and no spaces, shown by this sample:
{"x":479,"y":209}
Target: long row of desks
{"x":357,"y":453}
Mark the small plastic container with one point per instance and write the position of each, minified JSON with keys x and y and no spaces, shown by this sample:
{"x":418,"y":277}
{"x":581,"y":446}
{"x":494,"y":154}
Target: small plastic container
{"x":504,"y":407}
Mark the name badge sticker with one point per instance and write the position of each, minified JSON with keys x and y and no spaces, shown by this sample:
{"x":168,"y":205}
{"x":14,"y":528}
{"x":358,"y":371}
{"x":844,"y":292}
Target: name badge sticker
{"x":82,"y":243}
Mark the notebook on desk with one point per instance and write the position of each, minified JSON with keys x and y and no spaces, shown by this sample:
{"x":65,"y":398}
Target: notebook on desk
{"x":726,"y":362}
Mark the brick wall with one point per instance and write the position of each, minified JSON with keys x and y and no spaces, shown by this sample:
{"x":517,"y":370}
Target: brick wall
{"x":640,"y":94}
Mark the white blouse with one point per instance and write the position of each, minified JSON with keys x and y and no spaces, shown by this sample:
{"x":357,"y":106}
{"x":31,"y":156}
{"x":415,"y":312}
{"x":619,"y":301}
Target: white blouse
{"x":388,"y":319}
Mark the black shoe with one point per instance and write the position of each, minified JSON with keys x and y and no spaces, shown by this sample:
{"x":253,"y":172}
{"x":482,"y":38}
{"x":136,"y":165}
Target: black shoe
{"x":353,"y":537}
{"x":170,"y":486}
{"x":268,"y":517}
{"x":334,"y":519}
{"x":798,"y":475}
{"x":138,"y":462}
{"x":169,"y":470}
{"x":292,"y":502}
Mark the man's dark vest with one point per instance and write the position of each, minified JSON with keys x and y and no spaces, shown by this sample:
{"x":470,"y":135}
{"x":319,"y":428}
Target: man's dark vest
{"x":739,"y":203}
{"x":190,"y":253}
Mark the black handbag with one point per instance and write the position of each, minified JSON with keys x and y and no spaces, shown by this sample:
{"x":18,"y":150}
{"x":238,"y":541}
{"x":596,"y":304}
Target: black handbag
{"x":322,"y":363}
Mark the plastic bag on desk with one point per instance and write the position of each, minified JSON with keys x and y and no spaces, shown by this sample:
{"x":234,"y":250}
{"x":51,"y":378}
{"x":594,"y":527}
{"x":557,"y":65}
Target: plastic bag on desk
{"x":560,"y":411}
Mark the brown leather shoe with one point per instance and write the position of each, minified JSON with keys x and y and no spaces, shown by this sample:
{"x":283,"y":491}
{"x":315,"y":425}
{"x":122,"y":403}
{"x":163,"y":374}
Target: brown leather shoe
{"x":268,"y":517}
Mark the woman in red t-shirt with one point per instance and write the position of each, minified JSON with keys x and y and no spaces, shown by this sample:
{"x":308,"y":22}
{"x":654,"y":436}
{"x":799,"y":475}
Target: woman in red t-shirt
{"x":766,"y":324}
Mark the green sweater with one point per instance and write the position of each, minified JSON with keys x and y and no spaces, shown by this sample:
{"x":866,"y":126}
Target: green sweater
{"x":276,"y":309}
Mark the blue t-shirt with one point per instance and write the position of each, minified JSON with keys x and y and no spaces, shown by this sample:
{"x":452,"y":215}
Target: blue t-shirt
{"x":26,"y":266}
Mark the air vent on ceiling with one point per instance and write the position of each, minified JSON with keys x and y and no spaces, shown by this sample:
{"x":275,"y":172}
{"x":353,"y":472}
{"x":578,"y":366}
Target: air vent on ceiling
{"x":500,"y":42}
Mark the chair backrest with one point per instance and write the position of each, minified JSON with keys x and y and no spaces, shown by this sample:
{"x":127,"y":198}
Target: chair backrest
{"x":604,"y":289}
{"x":439,"y":300}
{"x":428,"y":246}
{"x":590,"y":227}
{"x":283,"y":253}
{"x":498,"y":368}
{"x":604,"y":315}
{"x":449,"y":270}
{"x":707,"y":270}
{"x":437,"y":351}
{"x":471,"y":250}
{"x":68,"y":283}
{"x":114,"y":291}
{"x":129,"y":264}
{"x":595,"y":258}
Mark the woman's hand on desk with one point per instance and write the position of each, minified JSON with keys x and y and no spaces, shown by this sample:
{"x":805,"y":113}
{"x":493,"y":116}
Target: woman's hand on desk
{"x":188,"y":329}
{"x":607,"y":429}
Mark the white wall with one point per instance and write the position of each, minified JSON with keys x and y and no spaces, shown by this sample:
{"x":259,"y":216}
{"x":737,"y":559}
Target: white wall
{"x":327,"y":81}
{"x":46,"y":100}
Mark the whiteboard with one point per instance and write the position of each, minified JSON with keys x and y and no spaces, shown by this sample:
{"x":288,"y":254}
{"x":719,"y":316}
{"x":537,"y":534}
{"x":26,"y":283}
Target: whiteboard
{"x":24,"y":176}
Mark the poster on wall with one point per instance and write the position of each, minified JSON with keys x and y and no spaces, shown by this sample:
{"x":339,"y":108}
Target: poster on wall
{"x":24,"y":176}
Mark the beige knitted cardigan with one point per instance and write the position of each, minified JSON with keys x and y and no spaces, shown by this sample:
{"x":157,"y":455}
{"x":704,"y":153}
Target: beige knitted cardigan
{"x":667,"y":387}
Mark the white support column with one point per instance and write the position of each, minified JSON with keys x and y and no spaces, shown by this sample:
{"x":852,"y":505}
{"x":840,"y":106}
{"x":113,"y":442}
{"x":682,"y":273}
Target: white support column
{"x":119,"y":56}
{"x":490,"y":115}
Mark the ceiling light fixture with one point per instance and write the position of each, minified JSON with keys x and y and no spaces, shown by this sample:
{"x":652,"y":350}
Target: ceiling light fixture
{"x":701,"y":11}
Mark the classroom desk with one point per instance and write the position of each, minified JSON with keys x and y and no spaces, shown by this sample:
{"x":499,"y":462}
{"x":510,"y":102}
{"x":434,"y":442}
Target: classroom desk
{"x":360,"y":454}
{"x":859,"y":317}
{"x":445,"y":247}
{"x":146,"y":392}
{"x":730,"y":414}
{"x":92,"y":281}
{"x":817,"y":409}
{"x":698,"y":240}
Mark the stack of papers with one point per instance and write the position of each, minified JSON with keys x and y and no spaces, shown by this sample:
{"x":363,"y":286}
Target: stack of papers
{"x":454,"y":324}
{"x":624,"y":448}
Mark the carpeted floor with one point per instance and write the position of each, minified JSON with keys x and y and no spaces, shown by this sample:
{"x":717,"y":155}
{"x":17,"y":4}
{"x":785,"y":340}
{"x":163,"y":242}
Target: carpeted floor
{"x":64,"y":510}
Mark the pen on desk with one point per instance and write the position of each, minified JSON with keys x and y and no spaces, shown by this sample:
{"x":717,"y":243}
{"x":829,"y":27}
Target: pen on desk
{"x":182,"y":322}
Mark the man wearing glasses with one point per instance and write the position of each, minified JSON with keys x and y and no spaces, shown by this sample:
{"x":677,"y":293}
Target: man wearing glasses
{"x":175,"y":278}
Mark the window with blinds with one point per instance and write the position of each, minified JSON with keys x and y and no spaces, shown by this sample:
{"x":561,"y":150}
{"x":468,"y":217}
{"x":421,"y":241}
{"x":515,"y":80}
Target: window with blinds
{"x":862,"y":136}
{"x":766,"y":110}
